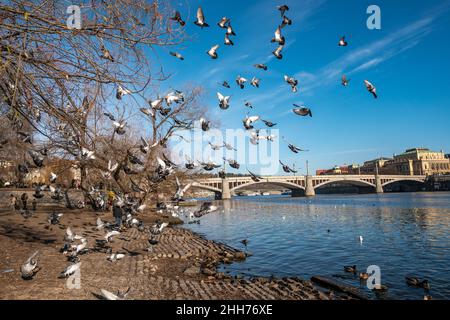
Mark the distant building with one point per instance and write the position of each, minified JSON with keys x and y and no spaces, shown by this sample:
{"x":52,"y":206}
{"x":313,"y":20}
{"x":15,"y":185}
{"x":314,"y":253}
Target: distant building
{"x":338,"y":170}
{"x":417,"y":161}
{"x":369,"y":167}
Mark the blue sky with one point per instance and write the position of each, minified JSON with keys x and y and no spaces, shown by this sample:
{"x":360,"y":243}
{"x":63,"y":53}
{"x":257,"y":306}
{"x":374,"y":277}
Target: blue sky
{"x":408,"y":61}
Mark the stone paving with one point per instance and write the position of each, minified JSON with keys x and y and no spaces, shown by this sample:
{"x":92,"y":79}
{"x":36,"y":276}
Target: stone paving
{"x":181,"y":266}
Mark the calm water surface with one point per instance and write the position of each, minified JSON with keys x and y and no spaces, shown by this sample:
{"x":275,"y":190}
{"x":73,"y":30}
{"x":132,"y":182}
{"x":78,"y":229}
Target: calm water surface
{"x":404,"y":234}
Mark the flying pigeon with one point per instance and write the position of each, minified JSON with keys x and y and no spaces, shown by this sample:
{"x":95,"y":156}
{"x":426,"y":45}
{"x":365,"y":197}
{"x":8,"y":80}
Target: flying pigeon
{"x":277,"y":52}
{"x":180,"y":190}
{"x":224,"y":101}
{"x":228,"y":41}
{"x":204,"y":124}
{"x":342,"y":42}
{"x":345,"y":81}
{"x":206,"y":207}
{"x":292,"y":82}
{"x":279,"y":38}
{"x":254,"y":177}
{"x":212,"y":52}
{"x":286,"y":168}
{"x":233,"y":163}
{"x":106,"y":54}
{"x":283,"y":9}
{"x":269,"y":123}
{"x":255,"y":82}
{"x":261,"y":66}
{"x":209,"y":166}
{"x":189,"y":163}
{"x":215,"y":147}
{"x":121,"y":92}
{"x":172,"y":97}
{"x":229,"y":146}
{"x":200,"y":19}
{"x":240,"y":81}
{"x":223,"y":22}
{"x":249,"y":120}
{"x":230,"y":31}
{"x":177,"y":18}
{"x":295,"y":149}
{"x":119,"y":127}
{"x":371,"y":88}
{"x":225,"y":84}
{"x":87,"y":154}
{"x":286,"y":21}
{"x":248,"y":104}
{"x":176,"y":55}
{"x":302,"y":110}
{"x":110,"y":116}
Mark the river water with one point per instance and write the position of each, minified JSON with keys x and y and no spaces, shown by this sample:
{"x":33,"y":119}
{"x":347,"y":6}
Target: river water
{"x":403,"y":234}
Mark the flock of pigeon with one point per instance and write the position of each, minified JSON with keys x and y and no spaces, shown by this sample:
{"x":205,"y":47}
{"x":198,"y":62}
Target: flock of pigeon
{"x":224,"y":100}
{"x":76,"y":245}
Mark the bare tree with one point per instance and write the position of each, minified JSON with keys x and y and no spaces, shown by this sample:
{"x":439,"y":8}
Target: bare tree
{"x":60,"y":82}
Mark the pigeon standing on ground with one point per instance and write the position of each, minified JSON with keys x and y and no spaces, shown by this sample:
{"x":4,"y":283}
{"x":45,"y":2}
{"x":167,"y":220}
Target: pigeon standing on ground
{"x":30,"y":267}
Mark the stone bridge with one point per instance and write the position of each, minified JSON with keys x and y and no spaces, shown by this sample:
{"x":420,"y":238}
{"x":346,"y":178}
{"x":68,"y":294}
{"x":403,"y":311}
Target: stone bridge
{"x":299,"y":185}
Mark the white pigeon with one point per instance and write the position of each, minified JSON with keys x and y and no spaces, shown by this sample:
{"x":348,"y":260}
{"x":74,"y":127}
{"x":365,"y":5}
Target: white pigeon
{"x":223,"y":22}
{"x":277,"y":53}
{"x":278,"y":37}
{"x":176,"y":97}
{"x":100,"y":224}
{"x":224,"y":101}
{"x":115,"y":256}
{"x":121,"y":92}
{"x":70,"y":269}
{"x":240,"y":81}
{"x":213,"y":51}
{"x":112,"y":167}
{"x":228,"y":41}
{"x":53,"y":177}
{"x":29,"y":268}
{"x":111,"y":234}
{"x":80,"y":247}
{"x":249,"y":120}
{"x":69,"y":235}
{"x":371,"y":88}
{"x":87,"y":154}
{"x":201,"y":19}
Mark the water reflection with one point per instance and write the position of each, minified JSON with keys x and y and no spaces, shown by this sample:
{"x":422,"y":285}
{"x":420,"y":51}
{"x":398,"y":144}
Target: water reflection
{"x":403,"y":234}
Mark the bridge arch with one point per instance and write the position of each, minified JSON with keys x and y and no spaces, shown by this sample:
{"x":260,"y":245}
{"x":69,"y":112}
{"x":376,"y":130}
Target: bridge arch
{"x":287,"y":185}
{"x":404,"y":180}
{"x":359,"y":183}
{"x":204,"y":187}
